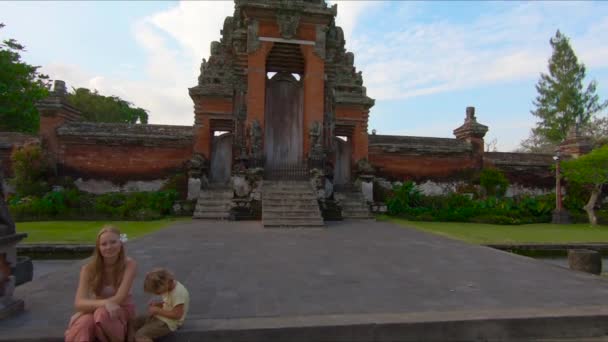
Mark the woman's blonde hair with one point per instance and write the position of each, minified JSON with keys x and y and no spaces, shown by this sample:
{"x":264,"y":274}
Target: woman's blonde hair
{"x":158,"y":280}
{"x":96,"y":265}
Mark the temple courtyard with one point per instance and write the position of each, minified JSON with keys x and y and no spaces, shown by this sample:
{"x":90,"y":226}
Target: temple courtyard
{"x":350,"y":281}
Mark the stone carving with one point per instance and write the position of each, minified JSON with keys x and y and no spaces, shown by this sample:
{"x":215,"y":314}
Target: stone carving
{"x":288,"y":22}
{"x":470,"y":128}
{"x":198,"y":166}
{"x":315,"y":140}
{"x":7,"y":226}
{"x":364,"y":167}
{"x":255,"y":134}
{"x":253,"y":42}
{"x":241,"y":186}
{"x":59,"y":89}
{"x":320,"y":41}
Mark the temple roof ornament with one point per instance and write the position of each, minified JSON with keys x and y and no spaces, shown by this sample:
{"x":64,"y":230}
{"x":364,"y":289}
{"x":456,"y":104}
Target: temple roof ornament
{"x":288,"y":22}
{"x":227,"y":64}
{"x":471,"y":128}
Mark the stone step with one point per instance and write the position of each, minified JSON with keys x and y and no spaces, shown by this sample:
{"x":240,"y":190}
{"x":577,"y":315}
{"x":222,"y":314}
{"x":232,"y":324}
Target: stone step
{"x":289,"y":197}
{"x":309,"y":216}
{"x":286,"y":205}
{"x":291,"y":210}
{"x":211,"y":215}
{"x":294,"y":223}
{"x":212,"y":209}
{"x":213,"y":195}
{"x":212,"y":202}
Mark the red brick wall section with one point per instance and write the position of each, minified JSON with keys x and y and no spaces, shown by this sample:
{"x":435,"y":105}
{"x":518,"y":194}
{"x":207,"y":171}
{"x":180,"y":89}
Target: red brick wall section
{"x":204,"y":108}
{"x":421,"y":167}
{"x":124,"y":162}
{"x":358,"y":116}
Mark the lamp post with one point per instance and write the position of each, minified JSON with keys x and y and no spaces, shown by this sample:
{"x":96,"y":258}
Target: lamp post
{"x":560,"y":215}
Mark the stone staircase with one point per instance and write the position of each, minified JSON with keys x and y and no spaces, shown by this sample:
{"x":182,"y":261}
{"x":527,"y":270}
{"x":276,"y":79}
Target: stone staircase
{"x":353,"y":204}
{"x":290,"y":204}
{"x":214,"y":204}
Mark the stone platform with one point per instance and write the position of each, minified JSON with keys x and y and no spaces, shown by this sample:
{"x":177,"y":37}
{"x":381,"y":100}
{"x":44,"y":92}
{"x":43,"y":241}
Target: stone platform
{"x":352,"y":281}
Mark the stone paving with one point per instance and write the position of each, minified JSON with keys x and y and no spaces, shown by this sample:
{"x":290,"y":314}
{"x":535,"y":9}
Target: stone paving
{"x":240,"y":270}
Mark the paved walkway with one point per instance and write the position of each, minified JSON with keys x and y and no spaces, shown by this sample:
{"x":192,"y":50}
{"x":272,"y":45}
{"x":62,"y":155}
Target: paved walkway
{"x":239,"y":271}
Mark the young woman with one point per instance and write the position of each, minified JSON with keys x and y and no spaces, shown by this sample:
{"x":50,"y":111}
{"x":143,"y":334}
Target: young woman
{"x":103,"y":300}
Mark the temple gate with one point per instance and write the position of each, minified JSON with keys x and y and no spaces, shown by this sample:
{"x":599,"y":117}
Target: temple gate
{"x":292,"y":117}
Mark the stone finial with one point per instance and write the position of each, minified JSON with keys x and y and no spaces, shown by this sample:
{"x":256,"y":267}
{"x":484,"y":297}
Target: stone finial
{"x":471,"y":128}
{"x":575,"y":144}
{"x":59,"y":88}
{"x":470,"y":114}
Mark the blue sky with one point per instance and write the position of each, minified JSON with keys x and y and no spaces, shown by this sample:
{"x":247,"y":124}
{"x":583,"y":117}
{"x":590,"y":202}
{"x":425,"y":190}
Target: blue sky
{"x":423,"y":62}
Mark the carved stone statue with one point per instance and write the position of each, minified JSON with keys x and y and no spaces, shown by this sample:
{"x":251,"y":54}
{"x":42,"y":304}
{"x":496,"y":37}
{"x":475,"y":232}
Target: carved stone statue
{"x":256,"y":139}
{"x":288,"y":24}
{"x":7,"y":225}
{"x":315,"y":140}
{"x":198,"y":166}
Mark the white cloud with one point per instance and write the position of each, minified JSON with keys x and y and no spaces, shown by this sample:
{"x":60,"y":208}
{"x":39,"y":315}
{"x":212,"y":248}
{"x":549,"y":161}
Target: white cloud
{"x":349,"y":13}
{"x":425,"y":58}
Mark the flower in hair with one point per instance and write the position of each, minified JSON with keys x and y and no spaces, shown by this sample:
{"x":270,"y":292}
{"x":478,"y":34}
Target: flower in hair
{"x":123,"y":238}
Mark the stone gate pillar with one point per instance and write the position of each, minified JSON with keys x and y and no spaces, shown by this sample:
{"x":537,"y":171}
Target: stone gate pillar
{"x":256,"y":83}
{"x":314,"y":92}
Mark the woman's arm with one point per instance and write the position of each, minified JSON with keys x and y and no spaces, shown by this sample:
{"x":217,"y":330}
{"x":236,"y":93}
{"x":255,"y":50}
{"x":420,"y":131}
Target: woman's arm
{"x":125,"y":285}
{"x":82,"y":302}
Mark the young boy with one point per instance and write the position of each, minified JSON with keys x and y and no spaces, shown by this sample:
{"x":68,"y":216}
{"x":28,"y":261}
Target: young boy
{"x":166,"y":316}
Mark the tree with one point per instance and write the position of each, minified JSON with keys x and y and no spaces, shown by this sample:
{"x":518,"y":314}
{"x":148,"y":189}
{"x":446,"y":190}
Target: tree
{"x":99,"y":108}
{"x":561,"y":102}
{"x":21,"y":86}
{"x":590,"y":170}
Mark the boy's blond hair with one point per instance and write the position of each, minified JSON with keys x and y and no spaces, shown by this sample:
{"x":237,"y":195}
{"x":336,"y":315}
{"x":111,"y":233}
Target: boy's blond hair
{"x":158,"y":280}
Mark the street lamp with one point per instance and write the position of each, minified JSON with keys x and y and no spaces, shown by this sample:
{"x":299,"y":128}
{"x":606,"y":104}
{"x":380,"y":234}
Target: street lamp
{"x":560,"y":215}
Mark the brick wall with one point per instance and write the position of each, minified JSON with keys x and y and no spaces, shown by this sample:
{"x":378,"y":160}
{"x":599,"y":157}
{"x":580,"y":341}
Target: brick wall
{"x":121,"y":152}
{"x":421,"y":158}
{"x":529,"y":169}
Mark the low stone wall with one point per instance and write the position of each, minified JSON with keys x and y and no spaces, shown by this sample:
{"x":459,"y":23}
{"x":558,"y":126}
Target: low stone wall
{"x":98,"y":187}
{"x":122,"y":152}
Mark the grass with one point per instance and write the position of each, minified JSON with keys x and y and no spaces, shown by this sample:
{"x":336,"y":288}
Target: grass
{"x":480,"y":233}
{"x":85,"y":232}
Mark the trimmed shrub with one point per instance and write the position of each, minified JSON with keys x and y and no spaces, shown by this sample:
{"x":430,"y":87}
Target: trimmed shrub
{"x":29,"y":168}
{"x":493,"y":182}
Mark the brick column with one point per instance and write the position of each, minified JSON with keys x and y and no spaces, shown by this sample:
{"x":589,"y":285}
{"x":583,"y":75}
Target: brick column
{"x":54,"y":112}
{"x":314,"y":92}
{"x":256,"y":84}
{"x":473,"y":132}
{"x":202,"y":135}
{"x":360,"y":138}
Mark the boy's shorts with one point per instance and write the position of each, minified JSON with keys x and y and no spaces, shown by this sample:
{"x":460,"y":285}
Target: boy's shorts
{"x":150,"y":327}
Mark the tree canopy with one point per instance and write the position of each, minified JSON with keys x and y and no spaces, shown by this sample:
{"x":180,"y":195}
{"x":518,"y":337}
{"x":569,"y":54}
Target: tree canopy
{"x":21,"y":86}
{"x":562,"y":101}
{"x":98,"y":108}
{"x":590,"y":170}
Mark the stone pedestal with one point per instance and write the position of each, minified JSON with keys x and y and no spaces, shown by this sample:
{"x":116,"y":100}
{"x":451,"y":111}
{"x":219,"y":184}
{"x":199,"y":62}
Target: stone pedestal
{"x":8,"y":257}
{"x":560,"y":217}
{"x":585,"y":260}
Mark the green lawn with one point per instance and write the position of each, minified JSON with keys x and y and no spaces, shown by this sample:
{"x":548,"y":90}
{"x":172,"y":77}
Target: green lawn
{"x":480,"y":233}
{"x":84,"y":232}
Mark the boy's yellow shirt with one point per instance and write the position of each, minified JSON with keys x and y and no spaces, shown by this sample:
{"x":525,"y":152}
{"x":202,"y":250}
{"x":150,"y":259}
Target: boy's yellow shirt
{"x":179,"y":295}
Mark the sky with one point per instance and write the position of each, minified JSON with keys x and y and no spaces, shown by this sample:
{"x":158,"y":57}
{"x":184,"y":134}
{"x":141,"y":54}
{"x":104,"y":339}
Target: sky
{"x":423,"y":62}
